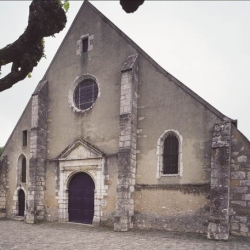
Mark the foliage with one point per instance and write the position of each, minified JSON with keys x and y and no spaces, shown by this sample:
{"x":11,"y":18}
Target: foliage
{"x":1,"y":150}
{"x":46,"y":18}
{"x":66,"y":5}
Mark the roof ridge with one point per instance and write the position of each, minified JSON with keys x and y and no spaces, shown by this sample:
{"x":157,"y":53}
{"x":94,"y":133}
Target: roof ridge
{"x":145,"y":55}
{"x":160,"y":68}
{"x":18,"y":121}
{"x":54,"y":58}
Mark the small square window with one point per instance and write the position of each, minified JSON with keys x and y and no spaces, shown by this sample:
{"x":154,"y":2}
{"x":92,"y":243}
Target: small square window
{"x":85,"y":44}
{"x":25,"y":137}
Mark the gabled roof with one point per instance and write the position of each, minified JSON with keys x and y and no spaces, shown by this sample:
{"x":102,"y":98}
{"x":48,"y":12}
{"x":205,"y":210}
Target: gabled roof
{"x":147,"y":57}
{"x":142,"y":53}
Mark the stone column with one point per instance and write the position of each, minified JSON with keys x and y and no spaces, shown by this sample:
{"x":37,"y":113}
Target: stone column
{"x":127,"y":145}
{"x":38,"y":137}
{"x":218,"y":227}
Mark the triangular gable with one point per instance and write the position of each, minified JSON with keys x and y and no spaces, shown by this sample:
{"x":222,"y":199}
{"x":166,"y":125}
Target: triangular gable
{"x":147,"y":57}
{"x":142,"y":53}
{"x":80,"y":149}
{"x":159,"y":68}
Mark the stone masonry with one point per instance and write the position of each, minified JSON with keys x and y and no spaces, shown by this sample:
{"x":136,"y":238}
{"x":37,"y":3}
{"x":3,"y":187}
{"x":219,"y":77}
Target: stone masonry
{"x":3,"y":184}
{"x":127,"y":145}
{"x":230,"y":183}
{"x":240,"y":185}
{"x":35,"y":206}
{"x":218,"y":227}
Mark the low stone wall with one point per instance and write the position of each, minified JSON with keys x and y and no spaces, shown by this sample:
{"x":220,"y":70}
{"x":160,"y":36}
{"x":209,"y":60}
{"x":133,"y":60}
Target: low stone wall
{"x":240,"y":185}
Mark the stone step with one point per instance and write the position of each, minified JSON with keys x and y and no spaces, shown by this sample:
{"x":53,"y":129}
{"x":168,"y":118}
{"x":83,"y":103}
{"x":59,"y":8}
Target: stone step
{"x":20,"y":218}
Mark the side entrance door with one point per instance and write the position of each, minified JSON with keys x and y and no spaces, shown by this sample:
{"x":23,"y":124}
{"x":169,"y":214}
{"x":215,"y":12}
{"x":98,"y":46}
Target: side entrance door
{"x":81,"y":199}
{"x":21,"y":202}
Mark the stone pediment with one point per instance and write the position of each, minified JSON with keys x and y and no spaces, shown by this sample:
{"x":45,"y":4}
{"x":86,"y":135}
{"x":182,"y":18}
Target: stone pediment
{"x":80,"y":149}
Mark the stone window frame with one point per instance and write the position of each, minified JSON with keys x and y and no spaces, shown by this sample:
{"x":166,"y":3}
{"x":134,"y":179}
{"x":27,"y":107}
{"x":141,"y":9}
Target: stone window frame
{"x":19,"y":169}
{"x":160,"y":152}
{"x":79,"y":50}
{"x":77,"y":81}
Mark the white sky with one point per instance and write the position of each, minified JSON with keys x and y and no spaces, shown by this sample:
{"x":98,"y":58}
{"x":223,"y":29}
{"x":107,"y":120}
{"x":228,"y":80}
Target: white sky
{"x":206,"y":45}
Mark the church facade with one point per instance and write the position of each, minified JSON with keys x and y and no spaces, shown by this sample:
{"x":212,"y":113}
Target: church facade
{"x":109,"y":137}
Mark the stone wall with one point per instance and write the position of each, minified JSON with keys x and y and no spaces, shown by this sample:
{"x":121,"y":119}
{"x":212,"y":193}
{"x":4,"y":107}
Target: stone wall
{"x":230,"y":183}
{"x":3,"y":184}
{"x":220,"y":171}
{"x":52,"y":188}
{"x":127,"y":145}
{"x":38,"y":141}
{"x":240,"y":185}
{"x":172,"y":207}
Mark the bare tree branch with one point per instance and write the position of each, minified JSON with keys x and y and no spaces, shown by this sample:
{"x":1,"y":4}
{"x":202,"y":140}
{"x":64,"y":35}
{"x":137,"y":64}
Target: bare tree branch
{"x":46,"y":18}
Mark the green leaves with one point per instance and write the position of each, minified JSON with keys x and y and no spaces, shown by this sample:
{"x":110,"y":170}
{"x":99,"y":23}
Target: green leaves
{"x":43,"y":41}
{"x":29,"y":75}
{"x":66,"y":5}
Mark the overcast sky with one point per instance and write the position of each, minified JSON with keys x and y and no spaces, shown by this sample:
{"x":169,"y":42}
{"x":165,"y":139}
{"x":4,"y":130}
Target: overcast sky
{"x":205,"y":45}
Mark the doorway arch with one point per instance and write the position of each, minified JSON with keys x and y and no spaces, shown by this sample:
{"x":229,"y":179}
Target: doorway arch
{"x":81,"y":198}
{"x":21,"y":202}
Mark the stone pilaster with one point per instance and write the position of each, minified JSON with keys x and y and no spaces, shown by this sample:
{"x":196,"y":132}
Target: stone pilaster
{"x":127,"y":145}
{"x":3,"y":184}
{"x":218,"y":227}
{"x":240,"y":185}
{"x":38,"y":137}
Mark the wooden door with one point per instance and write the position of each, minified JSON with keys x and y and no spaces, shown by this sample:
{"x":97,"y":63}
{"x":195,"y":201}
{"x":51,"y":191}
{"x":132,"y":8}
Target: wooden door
{"x":81,"y":199}
{"x":21,"y":202}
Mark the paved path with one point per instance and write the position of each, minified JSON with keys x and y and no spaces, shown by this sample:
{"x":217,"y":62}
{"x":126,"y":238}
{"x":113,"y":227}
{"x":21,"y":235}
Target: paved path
{"x":67,"y":236}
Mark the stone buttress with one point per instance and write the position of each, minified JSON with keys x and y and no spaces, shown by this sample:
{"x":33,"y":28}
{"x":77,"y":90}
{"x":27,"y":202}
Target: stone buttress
{"x":3,"y":184}
{"x":240,"y":185}
{"x":218,"y":227}
{"x":35,"y":203}
{"x":127,"y":145}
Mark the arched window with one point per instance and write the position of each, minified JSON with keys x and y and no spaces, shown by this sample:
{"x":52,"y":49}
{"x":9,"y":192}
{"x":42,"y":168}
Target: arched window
{"x":23,"y":170}
{"x":170,"y":155}
{"x":169,"y":151}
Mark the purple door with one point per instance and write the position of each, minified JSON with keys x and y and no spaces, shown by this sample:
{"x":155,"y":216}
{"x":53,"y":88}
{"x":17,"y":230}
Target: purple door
{"x":81,"y":199}
{"x":21,"y":202}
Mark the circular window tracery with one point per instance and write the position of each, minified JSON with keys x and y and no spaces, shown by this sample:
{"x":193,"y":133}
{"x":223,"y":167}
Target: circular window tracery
{"x":83,"y":93}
